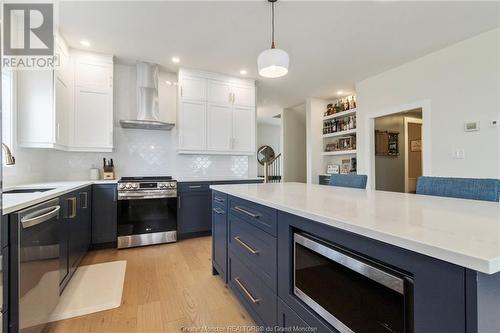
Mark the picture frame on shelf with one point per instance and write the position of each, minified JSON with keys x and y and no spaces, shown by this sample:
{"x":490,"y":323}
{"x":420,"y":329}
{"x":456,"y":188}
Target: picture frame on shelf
{"x":345,"y":167}
{"x":333,"y":169}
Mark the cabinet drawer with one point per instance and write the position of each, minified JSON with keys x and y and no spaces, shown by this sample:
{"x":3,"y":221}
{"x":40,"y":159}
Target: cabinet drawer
{"x":260,"y":216}
{"x":255,"y":295}
{"x":193,"y":187}
{"x":219,"y":199}
{"x":255,"y":248}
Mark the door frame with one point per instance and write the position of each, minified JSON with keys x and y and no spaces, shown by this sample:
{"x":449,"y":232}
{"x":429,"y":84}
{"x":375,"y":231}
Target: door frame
{"x":369,"y":137}
{"x":411,"y":120}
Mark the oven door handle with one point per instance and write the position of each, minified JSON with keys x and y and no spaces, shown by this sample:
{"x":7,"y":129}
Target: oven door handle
{"x":45,"y":215}
{"x":145,"y":197}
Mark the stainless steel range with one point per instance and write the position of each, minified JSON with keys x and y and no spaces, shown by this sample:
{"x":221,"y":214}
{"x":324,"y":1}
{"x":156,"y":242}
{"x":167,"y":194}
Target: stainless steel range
{"x":147,"y":211}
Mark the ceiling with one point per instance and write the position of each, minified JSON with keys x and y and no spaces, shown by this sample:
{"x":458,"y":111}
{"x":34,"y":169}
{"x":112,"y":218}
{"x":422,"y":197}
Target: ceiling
{"x":331,"y":45}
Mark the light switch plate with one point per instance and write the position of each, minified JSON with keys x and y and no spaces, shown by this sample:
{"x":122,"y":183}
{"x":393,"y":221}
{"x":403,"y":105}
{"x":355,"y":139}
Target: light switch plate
{"x":495,"y":123}
{"x":459,"y":154}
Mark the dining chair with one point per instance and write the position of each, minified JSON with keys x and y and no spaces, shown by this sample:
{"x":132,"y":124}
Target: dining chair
{"x":354,"y":181}
{"x":463,"y":188}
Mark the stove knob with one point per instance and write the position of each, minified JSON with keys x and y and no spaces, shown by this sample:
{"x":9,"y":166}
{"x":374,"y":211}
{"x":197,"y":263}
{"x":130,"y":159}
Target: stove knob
{"x":121,"y":186}
{"x":135,"y":185}
{"x":128,"y":186}
{"x":171,"y":185}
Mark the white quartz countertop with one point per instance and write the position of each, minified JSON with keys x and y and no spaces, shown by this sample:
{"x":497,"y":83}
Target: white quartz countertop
{"x":462,"y":232}
{"x":12,"y":202}
{"x":215,"y":179}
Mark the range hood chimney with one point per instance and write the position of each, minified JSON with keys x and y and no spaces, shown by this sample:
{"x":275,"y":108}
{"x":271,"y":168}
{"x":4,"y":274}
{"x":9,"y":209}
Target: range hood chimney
{"x":147,"y":100}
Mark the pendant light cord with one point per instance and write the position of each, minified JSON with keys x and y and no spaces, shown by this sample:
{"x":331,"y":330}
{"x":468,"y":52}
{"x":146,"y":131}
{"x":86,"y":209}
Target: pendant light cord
{"x":272,"y":25}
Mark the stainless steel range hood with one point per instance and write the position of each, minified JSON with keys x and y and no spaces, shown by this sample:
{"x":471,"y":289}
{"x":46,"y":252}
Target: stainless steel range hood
{"x":147,"y":100}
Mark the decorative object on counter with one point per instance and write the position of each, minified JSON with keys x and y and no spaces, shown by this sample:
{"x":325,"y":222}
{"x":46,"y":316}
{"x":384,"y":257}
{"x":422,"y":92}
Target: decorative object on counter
{"x":9,"y":158}
{"x":340,"y":105}
{"x":108,"y":169}
{"x":386,"y":143}
{"x":343,"y":143}
{"x":333,"y":169}
{"x":340,"y":124}
{"x":95,"y":174}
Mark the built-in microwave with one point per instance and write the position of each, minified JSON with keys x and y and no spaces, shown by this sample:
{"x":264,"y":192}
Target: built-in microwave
{"x":351,"y":293}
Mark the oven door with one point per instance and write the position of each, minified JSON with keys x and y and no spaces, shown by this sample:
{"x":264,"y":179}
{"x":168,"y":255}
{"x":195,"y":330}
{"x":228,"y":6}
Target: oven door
{"x":146,"y":221}
{"x":351,"y":293}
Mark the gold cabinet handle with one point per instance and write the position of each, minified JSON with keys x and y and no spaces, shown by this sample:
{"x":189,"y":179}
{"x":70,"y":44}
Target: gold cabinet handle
{"x":246,"y":246}
{"x":72,"y":215}
{"x":245,"y":290}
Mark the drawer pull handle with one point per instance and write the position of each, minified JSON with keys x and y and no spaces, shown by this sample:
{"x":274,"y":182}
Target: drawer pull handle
{"x":195,"y":186}
{"x":245,"y":290}
{"x":245,"y":245}
{"x":218,"y":199}
{"x":218,"y":210}
{"x":244,"y":211}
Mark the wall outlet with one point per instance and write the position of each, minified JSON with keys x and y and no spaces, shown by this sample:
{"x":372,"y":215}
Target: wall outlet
{"x":459,"y":154}
{"x":495,"y":123}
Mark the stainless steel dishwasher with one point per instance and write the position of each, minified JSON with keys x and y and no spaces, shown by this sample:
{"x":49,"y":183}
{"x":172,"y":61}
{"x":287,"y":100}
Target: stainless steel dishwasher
{"x":39,"y":232}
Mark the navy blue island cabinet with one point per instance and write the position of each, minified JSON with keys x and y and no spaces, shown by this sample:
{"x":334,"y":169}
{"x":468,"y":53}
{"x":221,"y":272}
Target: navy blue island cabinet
{"x":290,"y":272}
{"x":194,"y":206}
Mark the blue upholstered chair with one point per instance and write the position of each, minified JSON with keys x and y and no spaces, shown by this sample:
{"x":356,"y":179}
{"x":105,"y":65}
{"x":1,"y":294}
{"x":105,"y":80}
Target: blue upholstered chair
{"x":464,"y":188}
{"x":354,"y":181}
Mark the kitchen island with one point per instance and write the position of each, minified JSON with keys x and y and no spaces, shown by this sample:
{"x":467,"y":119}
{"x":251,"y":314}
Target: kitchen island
{"x":441,"y":257}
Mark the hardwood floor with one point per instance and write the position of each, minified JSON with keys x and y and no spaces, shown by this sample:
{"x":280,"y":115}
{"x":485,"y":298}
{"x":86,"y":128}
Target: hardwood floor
{"x":167,"y":287}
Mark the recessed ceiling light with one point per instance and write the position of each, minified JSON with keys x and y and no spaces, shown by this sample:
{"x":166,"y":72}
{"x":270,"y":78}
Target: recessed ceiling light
{"x":85,"y":43}
{"x":340,"y":92}
{"x":176,"y":60}
{"x":168,"y":82}
{"x":243,"y":72}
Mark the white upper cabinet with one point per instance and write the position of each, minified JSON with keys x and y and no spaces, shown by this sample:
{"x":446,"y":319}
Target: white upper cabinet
{"x":70,"y":108}
{"x":222,"y":121}
{"x":192,"y":119}
{"x":93,"y":119}
{"x":243,"y":130}
{"x":193,"y":88}
{"x":243,"y":95}
{"x":219,"y":122}
{"x":219,"y":92}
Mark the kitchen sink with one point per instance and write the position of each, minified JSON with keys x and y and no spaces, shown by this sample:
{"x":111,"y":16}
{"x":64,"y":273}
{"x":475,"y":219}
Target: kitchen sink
{"x":27,"y":190}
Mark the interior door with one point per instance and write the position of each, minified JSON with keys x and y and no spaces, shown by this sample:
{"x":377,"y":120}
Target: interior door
{"x":193,"y":118}
{"x":414,"y":151}
{"x":243,"y":129}
{"x":219,"y":127}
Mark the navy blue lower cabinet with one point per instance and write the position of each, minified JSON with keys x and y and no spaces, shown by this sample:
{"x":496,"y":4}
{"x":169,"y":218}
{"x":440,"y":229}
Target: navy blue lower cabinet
{"x":194,"y":214}
{"x":289,"y":321}
{"x":254,"y":247}
{"x":219,"y":234}
{"x":433,"y":297}
{"x":253,"y":293}
{"x":104,"y":215}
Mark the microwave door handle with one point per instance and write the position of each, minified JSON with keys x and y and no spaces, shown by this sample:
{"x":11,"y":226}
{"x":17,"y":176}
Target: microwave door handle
{"x":45,"y":216}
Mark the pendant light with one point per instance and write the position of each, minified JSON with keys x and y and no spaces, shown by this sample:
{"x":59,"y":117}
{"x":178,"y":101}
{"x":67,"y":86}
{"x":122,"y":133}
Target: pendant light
{"x":273,"y":62}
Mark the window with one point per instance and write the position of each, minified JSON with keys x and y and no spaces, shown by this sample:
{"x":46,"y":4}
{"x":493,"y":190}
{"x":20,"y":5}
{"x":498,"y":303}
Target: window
{"x":7,"y":110}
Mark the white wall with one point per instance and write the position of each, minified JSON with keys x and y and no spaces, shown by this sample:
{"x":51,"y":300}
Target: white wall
{"x":315,"y":109}
{"x":294,"y":146}
{"x":459,"y":83}
{"x":269,"y":135}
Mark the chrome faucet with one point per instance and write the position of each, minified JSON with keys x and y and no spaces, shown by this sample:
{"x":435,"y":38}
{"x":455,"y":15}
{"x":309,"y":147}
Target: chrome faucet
{"x":9,"y":158}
